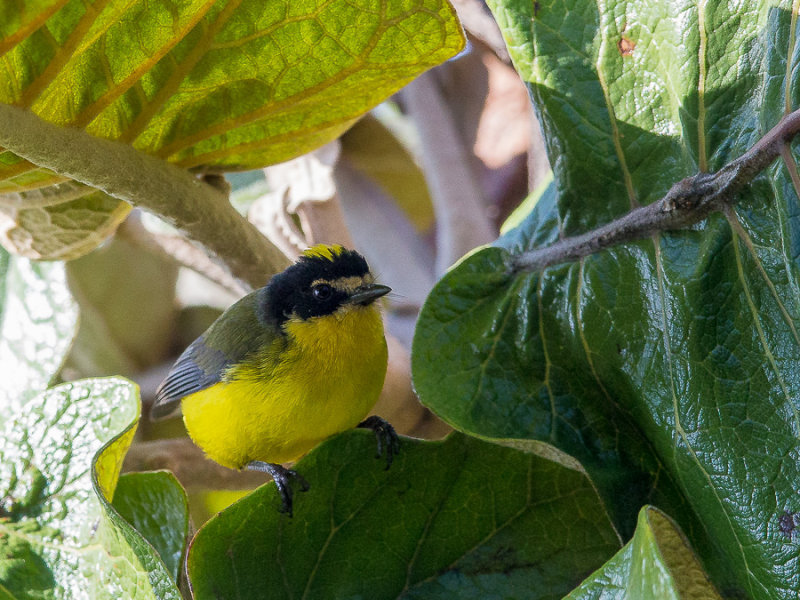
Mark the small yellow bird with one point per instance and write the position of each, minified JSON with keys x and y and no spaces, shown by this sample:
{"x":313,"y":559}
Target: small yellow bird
{"x":286,"y":367}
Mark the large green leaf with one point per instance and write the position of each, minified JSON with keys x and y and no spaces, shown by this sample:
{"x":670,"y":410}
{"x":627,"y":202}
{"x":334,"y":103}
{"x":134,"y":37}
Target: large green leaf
{"x":204,"y":84}
{"x":59,"y":463}
{"x":668,"y":367}
{"x":459,"y":518}
{"x":38,"y":319}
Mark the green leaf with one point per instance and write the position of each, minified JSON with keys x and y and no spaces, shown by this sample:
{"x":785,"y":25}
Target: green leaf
{"x":656,"y":563}
{"x":459,"y":518}
{"x":59,"y":464}
{"x":155,"y":504}
{"x":38,"y":319}
{"x":482,"y":360}
{"x":669,"y":367}
{"x":205,"y":85}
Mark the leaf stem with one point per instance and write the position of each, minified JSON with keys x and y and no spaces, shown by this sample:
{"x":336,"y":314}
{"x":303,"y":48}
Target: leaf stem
{"x":202,"y":212}
{"x":687,"y":202}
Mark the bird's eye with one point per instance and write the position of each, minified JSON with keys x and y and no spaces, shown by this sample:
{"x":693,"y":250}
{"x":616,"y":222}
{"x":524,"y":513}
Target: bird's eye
{"x":322,"y":291}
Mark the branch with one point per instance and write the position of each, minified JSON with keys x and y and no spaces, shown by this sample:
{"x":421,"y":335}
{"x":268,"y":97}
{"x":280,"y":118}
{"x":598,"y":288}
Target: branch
{"x":687,"y":202}
{"x":189,"y":464}
{"x":178,"y":249}
{"x":202,"y":212}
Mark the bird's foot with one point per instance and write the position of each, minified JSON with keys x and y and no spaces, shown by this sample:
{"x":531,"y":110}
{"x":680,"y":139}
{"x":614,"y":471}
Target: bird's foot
{"x":283,"y":481}
{"x":386,"y":435}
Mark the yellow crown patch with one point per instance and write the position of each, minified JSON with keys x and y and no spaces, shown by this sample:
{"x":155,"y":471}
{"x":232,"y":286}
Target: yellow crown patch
{"x":324,"y":251}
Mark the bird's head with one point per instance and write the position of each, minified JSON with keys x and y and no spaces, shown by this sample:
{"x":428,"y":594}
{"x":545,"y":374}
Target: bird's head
{"x":325,"y":279}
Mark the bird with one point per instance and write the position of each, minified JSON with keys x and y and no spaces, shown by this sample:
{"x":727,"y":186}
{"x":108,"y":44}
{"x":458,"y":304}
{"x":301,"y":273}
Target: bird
{"x":286,"y":367}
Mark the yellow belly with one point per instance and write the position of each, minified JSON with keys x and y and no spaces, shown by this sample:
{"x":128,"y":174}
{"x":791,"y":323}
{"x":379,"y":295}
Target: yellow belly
{"x":329,"y":377}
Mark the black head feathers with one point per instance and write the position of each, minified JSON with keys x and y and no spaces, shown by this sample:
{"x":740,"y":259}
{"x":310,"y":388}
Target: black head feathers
{"x":290,"y":292}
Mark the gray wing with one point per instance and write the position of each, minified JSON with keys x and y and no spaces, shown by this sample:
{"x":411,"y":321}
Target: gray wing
{"x":234,"y":335}
{"x":198,"y":368}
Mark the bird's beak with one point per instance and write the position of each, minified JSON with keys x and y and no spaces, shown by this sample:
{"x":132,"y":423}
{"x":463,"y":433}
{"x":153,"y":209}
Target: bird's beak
{"x":367,"y":294}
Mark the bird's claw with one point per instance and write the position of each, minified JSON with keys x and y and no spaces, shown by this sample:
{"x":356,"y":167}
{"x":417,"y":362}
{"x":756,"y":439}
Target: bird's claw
{"x":388,"y":440}
{"x":283,"y":481}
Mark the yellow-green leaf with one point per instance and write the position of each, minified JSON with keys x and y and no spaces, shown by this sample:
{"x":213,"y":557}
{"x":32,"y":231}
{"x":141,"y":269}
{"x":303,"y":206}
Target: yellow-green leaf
{"x":222,"y":85}
{"x":61,"y":231}
{"x":656,"y":563}
{"x":206,"y":85}
{"x":375,"y":151}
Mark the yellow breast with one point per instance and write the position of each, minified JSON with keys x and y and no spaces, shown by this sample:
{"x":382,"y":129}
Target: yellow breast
{"x":275,"y":408}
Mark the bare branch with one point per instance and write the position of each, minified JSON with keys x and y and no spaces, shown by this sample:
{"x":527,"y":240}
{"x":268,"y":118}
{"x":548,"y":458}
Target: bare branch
{"x":687,"y":202}
{"x":189,"y":464}
{"x":180,"y":250}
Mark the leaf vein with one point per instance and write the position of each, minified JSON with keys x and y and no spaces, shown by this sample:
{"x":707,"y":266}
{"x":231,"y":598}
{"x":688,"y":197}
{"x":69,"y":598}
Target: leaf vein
{"x":64,"y":54}
{"x":702,"y":159}
{"x":182,"y":69}
{"x":612,"y":117}
{"x":748,"y":242}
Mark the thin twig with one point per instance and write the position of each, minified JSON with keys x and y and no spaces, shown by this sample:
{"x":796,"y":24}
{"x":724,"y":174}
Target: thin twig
{"x":687,"y":202}
{"x":179,"y":249}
